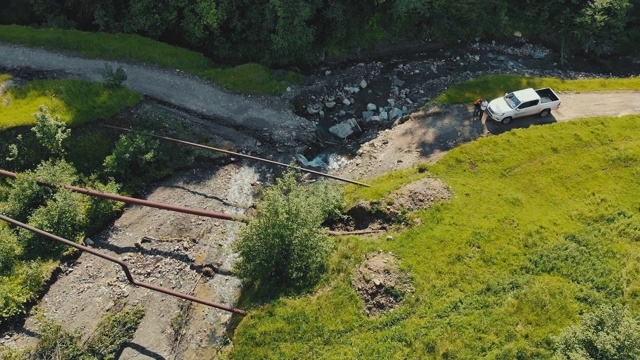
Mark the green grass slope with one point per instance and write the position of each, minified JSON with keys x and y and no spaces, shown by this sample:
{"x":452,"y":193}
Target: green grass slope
{"x":544,"y":227}
{"x":76,"y":102}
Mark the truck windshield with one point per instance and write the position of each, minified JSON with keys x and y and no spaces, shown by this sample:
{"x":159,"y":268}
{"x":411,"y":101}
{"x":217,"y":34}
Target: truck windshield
{"x":512,"y":100}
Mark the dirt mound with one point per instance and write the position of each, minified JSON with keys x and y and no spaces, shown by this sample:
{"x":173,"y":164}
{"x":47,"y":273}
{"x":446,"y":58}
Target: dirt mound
{"x":418,"y":195}
{"x":376,"y":216}
{"x":380,"y":283}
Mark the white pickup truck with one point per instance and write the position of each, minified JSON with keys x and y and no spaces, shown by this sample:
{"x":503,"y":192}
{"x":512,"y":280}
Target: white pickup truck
{"x":523,"y":103}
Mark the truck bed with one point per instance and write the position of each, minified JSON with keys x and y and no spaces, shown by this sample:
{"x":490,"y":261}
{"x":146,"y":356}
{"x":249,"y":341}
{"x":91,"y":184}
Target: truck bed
{"x":547,"y":95}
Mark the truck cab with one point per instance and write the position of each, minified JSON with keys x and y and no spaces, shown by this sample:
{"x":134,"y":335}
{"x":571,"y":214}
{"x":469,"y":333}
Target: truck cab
{"x":523,"y":103}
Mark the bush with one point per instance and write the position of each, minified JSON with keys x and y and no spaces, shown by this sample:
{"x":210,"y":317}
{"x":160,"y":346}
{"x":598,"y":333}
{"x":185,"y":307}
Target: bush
{"x":26,"y":279}
{"x":113,"y":78}
{"x":608,"y":333}
{"x":63,"y":216}
{"x":25,"y":195}
{"x":138,"y":159}
{"x":284,"y":244}
{"x":99,"y":210}
{"x":50,"y":131}
{"x":58,"y":343}
{"x":113,"y":331}
{"x":9,"y":250}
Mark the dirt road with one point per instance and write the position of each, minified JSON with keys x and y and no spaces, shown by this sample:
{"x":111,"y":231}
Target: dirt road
{"x":595,"y":104}
{"x":427,"y":135}
{"x":264,"y":118}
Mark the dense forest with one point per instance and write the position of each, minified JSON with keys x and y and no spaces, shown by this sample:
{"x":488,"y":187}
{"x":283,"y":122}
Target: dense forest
{"x":286,"y":32}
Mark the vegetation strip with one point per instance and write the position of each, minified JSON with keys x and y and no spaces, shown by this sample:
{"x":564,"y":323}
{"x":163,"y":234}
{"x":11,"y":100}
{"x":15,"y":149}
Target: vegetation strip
{"x":493,"y":86}
{"x":240,"y":155}
{"x":130,"y":200}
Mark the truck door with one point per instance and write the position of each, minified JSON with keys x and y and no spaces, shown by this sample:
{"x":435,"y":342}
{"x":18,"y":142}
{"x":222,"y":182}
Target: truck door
{"x":527,"y":108}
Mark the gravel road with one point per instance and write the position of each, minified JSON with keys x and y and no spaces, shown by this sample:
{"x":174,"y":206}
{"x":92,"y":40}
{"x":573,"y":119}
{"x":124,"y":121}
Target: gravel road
{"x":263,"y":118}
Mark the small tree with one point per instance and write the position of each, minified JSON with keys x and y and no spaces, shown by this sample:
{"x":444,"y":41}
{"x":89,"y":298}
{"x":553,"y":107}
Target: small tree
{"x":608,"y":333}
{"x":284,"y":244}
{"x":50,"y":131}
{"x":113,"y":78}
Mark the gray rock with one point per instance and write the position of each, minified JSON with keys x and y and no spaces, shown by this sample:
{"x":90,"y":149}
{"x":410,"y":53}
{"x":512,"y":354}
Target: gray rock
{"x":384,"y":115}
{"x":367,"y":114}
{"x":391,"y":102}
{"x":363,"y":83}
{"x":538,"y":54}
{"x":371,"y":107}
{"x":398,"y":82}
{"x":88,"y":241}
{"x":395,"y":113}
{"x":313,"y":109}
{"x":345,"y":129}
{"x":374,"y":118}
{"x":330,"y":104}
{"x":346,"y":102}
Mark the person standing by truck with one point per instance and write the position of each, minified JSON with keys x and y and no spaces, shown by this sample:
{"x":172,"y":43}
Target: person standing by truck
{"x":483,"y":107}
{"x":476,"y":108}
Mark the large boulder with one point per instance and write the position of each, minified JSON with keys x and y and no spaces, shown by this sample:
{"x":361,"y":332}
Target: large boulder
{"x":344,"y":129}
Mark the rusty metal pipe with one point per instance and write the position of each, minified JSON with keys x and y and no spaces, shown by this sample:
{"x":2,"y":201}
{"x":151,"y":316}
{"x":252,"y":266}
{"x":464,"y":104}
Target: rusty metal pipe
{"x":238,"y":154}
{"x":130,"y":200}
{"x":124,"y":267}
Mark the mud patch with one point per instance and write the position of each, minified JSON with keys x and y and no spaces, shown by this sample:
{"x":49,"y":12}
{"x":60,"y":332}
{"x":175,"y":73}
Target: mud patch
{"x":380,"y":283}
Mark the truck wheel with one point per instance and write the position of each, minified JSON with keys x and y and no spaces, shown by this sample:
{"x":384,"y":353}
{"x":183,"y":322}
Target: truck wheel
{"x":545,"y":112}
{"x":506,"y":120}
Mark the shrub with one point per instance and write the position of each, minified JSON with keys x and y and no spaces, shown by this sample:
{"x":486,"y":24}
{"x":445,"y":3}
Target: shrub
{"x":101,"y":210}
{"x":137,"y":160}
{"x":58,"y":343}
{"x":608,"y":333}
{"x":9,"y":250}
{"x":284,"y":244}
{"x":63,"y":216}
{"x":113,"y":331}
{"x":25,"y":195}
{"x":26,"y":280}
{"x":50,"y":131}
{"x":113,"y":78}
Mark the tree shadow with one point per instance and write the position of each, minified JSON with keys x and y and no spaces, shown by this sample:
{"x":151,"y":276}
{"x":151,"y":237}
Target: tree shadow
{"x":141,"y":350}
{"x":455,"y":125}
{"x":208,"y":196}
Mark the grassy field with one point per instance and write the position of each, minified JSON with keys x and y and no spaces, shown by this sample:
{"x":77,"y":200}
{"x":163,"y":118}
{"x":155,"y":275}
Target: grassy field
{"x":493,"y":86}
{"x":544,"y":229}
{"x":247,"y":78}
{"x":76,"y":102}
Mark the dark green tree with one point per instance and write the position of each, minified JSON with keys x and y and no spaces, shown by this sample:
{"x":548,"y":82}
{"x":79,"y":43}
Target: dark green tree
{"x":284,"y":245}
